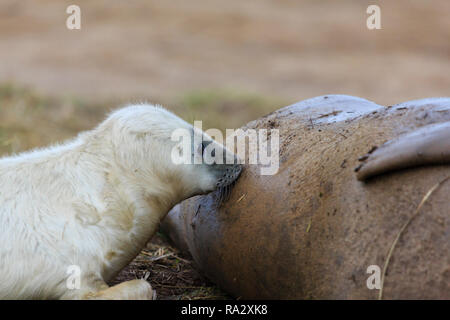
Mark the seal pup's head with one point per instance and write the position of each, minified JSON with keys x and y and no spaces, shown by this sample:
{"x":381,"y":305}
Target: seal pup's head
{"x":158,"y":151}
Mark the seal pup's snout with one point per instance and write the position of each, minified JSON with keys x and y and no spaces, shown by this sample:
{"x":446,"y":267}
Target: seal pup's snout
{"x":227,"y":180}
{"x":230,"y":174}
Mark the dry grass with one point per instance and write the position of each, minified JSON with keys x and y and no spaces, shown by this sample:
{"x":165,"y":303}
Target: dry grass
{"x":172,"y":275}
{"x":29,"y":119}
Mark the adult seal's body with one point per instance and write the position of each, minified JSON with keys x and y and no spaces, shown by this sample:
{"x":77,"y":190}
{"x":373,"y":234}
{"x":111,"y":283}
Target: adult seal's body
{"x":72,"y":216}
{"x":318,"y":229}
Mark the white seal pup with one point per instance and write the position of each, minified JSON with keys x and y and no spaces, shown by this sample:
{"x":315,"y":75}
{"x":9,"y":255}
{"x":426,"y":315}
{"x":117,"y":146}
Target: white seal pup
{"x":72,"y":216}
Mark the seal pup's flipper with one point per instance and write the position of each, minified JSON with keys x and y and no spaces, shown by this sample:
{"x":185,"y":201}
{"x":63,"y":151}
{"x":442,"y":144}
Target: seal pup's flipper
{"x":428,"y":145}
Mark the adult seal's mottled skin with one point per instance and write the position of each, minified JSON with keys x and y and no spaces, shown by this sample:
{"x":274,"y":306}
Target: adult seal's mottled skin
{"x":312,"y":230}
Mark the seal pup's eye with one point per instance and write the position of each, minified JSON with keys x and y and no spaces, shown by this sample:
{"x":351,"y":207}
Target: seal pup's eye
{"x":204,"y":145}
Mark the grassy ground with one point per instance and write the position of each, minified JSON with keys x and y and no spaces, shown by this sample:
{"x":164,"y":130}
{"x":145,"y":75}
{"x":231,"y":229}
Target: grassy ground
{"x":171,"y":274}
{"x":29,"y":119}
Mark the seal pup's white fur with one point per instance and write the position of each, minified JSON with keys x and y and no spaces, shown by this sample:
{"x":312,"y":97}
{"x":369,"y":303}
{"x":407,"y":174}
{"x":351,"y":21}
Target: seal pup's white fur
{"x":94,"y":203}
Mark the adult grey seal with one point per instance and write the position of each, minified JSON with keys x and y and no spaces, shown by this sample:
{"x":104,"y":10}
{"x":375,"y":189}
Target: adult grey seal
{"x":313,"y":230}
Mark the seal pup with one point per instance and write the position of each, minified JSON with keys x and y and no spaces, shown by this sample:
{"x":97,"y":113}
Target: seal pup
{"x":73,"y":215}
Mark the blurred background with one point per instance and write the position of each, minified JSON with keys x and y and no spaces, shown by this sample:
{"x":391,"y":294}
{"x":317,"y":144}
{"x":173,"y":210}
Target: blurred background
{"x":223,"y":62}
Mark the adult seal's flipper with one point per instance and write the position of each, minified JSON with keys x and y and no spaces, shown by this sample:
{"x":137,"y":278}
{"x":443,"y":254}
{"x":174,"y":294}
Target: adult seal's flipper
{"x":428,"y":145}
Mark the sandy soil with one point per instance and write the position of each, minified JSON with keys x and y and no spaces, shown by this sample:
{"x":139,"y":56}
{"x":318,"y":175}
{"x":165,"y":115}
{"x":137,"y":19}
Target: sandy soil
{"x":283,"y":48}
